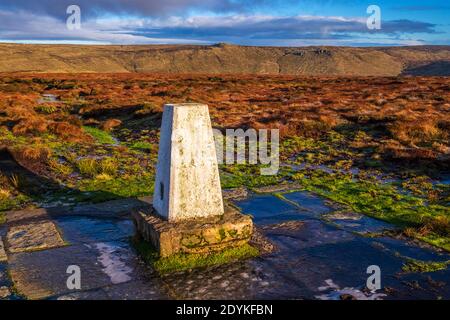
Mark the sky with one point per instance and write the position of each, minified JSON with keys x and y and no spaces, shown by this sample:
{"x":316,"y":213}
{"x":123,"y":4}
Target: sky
{"x":242,"y":22}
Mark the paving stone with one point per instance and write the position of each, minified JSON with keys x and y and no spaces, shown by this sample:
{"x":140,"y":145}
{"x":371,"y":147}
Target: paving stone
{"x":42,"y":274}
{"x":78,"y":230}
{"x":33,"y":236}
{"x":313,"y":205}
{"x":24,"y":216}
{"x":4,"y":292}
{"x":151,"y":289}
{"x":95,"y":294}
{"x":3,"y":256}
{"x":268,"y":209}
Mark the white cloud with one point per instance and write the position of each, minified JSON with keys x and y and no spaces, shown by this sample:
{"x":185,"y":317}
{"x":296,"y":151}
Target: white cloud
{"x":23,"y":26}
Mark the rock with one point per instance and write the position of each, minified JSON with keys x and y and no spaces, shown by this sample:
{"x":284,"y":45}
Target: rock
{"x":3,"y":257}
{"x":346,"y":296}
{"x":286,"y":226}
{"x":33,"y":236}
{"x":4,"y":292}
{"x":110,"y":124}
{"x":263,"y":244}
{"x":198,"y":236}
{"x":278,"y":188}
{"x":235,"y":194}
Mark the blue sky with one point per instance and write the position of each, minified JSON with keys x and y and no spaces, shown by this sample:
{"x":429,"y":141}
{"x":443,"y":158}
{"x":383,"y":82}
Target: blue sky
{"x":251,"y":22}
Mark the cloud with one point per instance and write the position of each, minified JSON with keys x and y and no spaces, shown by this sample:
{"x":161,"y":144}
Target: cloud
{"x":149,"y":8}
{"x":421,"y":8}
{"x":252,"y":29}
{"x":243,"y":28}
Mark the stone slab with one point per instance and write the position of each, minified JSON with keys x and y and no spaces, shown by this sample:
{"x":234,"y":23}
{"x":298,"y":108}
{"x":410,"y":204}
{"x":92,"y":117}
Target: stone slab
{"x":33,"y":236}
{"x":3,"y":256}
{"x":4,"y":292}
{"x":43,"y":274}
{"x":198,"y":236}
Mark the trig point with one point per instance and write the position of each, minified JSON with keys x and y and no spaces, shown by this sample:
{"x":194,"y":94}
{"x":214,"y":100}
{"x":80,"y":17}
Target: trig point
{"x":188,"y":213}
{"x":187,"y":182}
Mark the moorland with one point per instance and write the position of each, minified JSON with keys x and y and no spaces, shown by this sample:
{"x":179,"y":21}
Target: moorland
{"x":375,"y":145}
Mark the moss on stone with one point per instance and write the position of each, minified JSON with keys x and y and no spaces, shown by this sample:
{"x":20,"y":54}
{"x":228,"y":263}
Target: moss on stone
{"x":184,"y":262}
{"x":413,"y":265}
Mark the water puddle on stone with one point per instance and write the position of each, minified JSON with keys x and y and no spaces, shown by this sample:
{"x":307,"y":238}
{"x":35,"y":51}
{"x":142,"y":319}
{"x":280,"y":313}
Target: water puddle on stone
{"x":351,"y":221}
{"x":331,"y":291}
{"x":113,"y":259}
{"x":268,"y":208}
{"x":86,"y":229}
{"x":312,"y":205}
{"x":315,"y":259}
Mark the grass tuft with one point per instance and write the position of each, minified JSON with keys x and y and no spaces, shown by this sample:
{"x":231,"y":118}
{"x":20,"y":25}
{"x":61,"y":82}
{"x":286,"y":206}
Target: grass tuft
{"x":100,"y":136}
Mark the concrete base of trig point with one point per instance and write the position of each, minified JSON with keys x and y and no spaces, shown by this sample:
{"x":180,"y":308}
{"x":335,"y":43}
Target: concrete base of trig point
{"x":188,"y":214}
{"x":205,"y":235}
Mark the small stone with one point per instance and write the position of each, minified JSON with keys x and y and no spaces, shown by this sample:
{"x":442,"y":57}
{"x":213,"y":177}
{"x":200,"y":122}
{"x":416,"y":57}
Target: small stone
{"x":3,"y":257}
{"x":346,"y":296}
{"x":4,"y":292}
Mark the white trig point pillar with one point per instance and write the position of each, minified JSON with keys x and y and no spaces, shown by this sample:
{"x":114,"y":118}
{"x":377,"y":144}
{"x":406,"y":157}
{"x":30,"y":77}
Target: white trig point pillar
{"x":187,"y":184}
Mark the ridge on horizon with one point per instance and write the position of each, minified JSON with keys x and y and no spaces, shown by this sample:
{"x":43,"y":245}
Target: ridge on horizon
{"x":226,"y":58}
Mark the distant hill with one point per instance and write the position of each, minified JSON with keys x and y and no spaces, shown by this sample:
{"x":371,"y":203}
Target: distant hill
{"x":225,"y":58}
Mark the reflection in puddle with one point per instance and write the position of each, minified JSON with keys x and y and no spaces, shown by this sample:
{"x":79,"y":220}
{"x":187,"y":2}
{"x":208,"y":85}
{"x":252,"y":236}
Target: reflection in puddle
{"x":111,"y":259}
{"x":359,"y":223}
{"x":48,"y":98}
{"x":334,"y":292}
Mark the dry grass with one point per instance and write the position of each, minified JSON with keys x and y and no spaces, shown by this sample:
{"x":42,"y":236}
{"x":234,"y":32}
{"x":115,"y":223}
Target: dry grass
{"x":404,"y":118}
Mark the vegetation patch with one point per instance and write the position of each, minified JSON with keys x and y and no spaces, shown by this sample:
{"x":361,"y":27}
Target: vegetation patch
{"x":381,"y":201}
{"x":412,"y":266}
{"x":184,"y":262}
{"x":100,"y":136}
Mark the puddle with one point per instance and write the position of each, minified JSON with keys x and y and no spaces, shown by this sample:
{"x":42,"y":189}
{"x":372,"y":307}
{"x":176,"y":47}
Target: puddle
{"x":268,"y":209}
{"x":409,"y":249}
{"x":359,"y":223}
{"x":113,"y":259}
{"x":48,"y":98}
{"x":333,"y":292}
{"x":313,"y":205}
{"x":86,"y":230}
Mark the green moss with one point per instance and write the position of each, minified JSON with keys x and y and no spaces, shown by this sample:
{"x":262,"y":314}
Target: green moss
{"x":382,"y":201}
{"x":123,"y":187}
{"x":142,"y":146}
{"x":413,"y":265}
{"x":46,"y":109}
{"x":100,"y":136}
{"x":13,"y":203}
{"x":234,"y":176}
{"x":183,"y":262}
